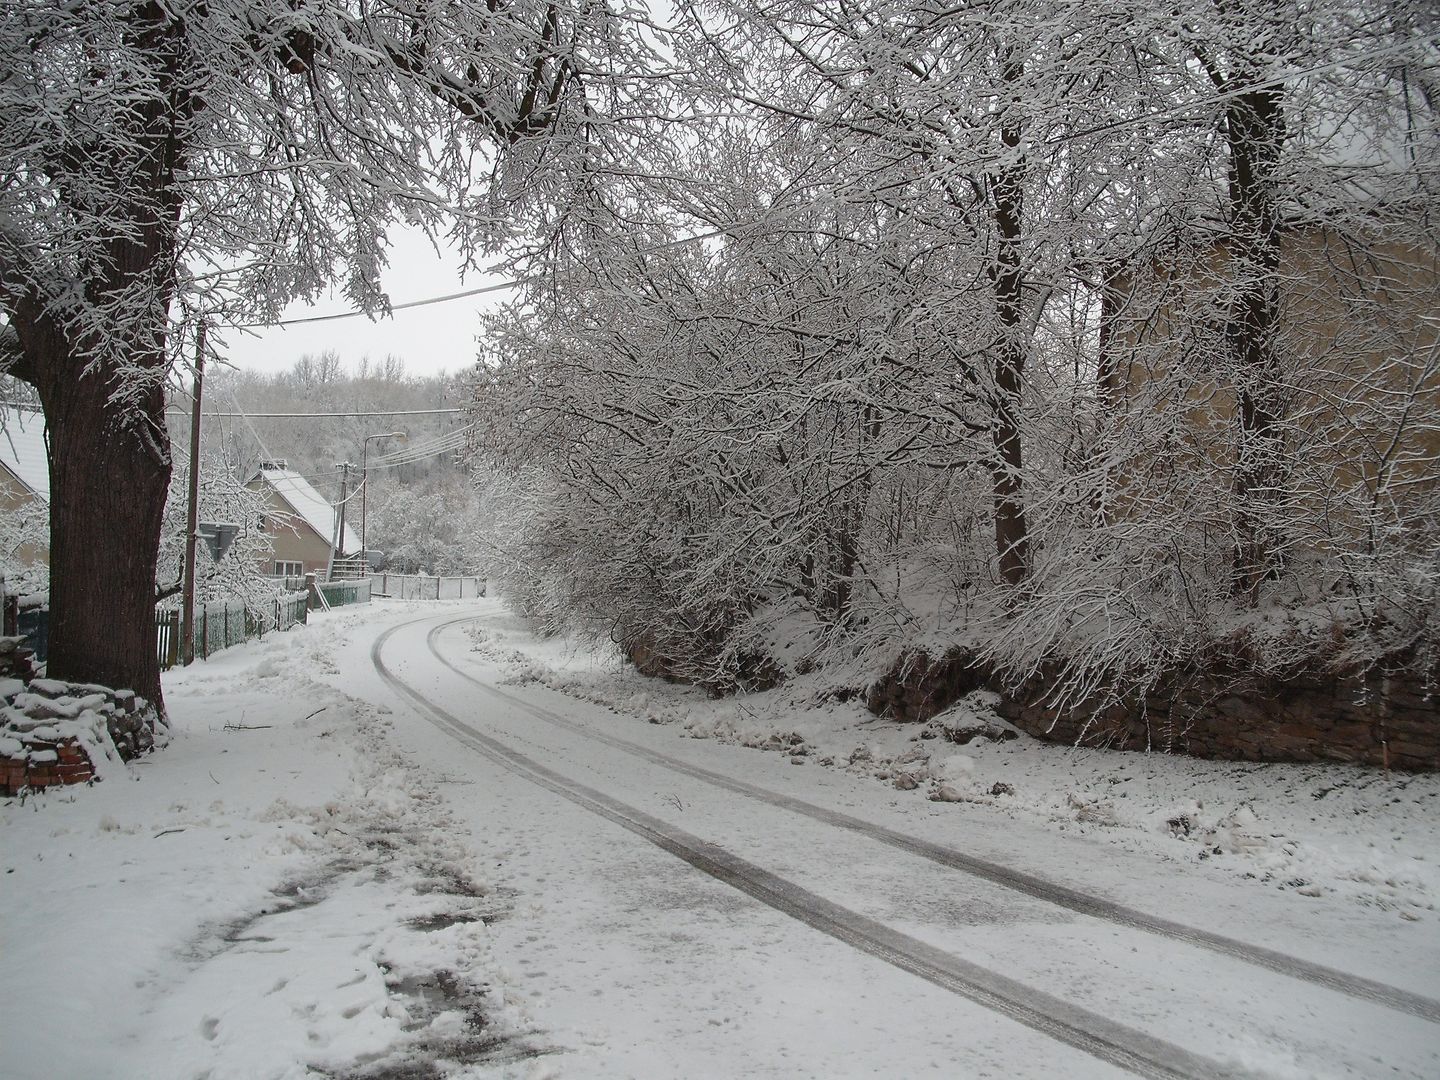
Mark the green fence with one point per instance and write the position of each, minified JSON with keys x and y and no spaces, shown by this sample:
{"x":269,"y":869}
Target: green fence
{"x":291,"y":608}
{"x":220,"y":624}
{"x":340,"y":593}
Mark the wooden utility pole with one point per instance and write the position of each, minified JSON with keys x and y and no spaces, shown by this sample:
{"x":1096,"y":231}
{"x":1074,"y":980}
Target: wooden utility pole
{"x":344,"y":500}
{"x":337,"y":535}
{"x":192,"y":510}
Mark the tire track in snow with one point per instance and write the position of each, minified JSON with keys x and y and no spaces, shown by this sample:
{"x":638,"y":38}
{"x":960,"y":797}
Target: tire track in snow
{"x":1355,"y":986}
{"x":1117,"y":1044}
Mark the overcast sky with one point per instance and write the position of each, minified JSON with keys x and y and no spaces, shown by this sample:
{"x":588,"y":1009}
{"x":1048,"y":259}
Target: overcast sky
{"x":429,"y":339}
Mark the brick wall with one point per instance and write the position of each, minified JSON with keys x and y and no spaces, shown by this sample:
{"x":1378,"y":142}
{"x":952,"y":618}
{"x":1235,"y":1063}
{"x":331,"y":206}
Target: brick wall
{"x":49,"y":731}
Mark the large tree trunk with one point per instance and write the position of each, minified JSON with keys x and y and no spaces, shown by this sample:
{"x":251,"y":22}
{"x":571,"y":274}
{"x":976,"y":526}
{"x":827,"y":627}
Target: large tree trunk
{"x":1255,"y":133}
{"x":1012,"y":542}
{"x":109,"y":474}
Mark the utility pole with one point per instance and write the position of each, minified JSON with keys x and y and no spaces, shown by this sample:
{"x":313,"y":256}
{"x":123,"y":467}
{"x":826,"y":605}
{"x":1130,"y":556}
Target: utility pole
{"x":344,"y":500}
{"x":337,"y":537}
{"x":192,"y":510}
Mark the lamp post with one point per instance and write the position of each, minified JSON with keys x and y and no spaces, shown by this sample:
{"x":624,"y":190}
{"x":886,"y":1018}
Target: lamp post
{"x":365,"y":483}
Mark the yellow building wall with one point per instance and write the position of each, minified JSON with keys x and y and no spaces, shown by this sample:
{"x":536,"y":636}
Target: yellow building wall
{"x":291,"y":539}
{"x":1357,"y":370}
{"x":16,"y":499}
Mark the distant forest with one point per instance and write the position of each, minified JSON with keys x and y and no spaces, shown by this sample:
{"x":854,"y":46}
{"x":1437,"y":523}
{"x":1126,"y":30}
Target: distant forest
{"x":420,"y":505}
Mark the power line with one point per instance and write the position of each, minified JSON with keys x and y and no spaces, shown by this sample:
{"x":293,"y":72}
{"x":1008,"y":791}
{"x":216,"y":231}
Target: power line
{"x":254,"y":434}
{"x":424,"y":449}
{"x":511,"y":283}
{"x":1179,"y":109}
{"x":322,"y":415}
{"x":501,"y":287}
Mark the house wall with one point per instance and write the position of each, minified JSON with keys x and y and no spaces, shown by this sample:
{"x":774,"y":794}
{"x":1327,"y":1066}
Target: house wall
{"x":16,"y":499}
{"x":1357,"y":375}
{"x":291,"y":540}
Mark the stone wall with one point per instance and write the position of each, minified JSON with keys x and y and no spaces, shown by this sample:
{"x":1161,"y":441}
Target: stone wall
{"x":920,"y":685}
{"x":750,"y":671}
{"x":1390,"y":720}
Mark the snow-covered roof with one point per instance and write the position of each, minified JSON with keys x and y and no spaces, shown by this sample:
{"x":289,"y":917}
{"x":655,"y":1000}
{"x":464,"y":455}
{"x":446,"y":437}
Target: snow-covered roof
{"x":309,"y":506}
{"x":22,"y":449}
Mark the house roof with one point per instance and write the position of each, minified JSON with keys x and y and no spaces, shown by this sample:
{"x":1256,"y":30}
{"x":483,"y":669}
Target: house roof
{"x":309,"y":505}
{"x":22,"y":449}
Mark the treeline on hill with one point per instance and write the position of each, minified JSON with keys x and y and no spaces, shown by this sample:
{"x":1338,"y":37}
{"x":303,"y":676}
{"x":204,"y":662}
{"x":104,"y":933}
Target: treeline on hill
{"x":420,"y":505}
{"x":1098,"y":341}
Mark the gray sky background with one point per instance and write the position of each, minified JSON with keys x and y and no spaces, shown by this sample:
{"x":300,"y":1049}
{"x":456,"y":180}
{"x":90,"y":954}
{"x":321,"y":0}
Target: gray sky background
{"x":439,"y":337}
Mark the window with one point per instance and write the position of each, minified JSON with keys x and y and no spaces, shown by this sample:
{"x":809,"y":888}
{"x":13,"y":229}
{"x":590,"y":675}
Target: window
{"x":289,"y":569}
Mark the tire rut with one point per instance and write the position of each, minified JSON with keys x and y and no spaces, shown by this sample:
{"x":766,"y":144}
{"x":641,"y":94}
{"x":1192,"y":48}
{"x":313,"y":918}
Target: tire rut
{"x":1091,"y":1033}
{"x":1355,"y":986}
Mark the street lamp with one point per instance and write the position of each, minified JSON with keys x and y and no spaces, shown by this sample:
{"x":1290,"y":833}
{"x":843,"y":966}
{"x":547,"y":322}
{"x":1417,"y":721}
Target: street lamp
{"x":365,"y":484}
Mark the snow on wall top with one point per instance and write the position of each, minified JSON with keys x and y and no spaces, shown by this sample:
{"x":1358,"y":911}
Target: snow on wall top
{"x":309,"y":505}
{"x":22,"y":449}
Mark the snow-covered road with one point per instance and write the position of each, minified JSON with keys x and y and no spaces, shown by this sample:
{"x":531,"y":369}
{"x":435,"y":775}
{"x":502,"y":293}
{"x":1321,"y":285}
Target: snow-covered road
{"x":1006,"y":981}
{"x":372,"y":852}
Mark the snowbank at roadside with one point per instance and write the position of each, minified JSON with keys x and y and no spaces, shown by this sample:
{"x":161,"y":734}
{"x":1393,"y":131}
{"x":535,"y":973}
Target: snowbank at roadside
{"x":277,"y":892}
{"x":1363,"y":834}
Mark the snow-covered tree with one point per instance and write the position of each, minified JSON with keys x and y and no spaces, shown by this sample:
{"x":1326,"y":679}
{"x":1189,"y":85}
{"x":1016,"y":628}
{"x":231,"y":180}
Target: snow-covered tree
{"x":161,"y":163}
{"x":223,"y":498}
{"x":1146,"y":295}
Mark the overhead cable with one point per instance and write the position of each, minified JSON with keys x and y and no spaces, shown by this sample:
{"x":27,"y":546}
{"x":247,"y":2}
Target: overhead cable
{"x":322,"y":415}
{"x":1179,"y":109}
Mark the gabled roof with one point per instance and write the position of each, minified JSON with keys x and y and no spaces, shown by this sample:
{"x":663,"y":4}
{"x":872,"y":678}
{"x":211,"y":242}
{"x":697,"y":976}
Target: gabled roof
{"x":22,"y":449}
{"x":309,"y":505}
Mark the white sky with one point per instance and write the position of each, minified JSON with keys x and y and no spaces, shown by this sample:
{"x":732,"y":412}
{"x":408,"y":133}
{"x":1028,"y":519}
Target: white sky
{"x":439,"y":337}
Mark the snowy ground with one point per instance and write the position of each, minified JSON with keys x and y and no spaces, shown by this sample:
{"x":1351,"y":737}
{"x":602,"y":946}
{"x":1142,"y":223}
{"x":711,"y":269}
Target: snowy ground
{"x":317,"y":879}
{"x":1361,"y":834}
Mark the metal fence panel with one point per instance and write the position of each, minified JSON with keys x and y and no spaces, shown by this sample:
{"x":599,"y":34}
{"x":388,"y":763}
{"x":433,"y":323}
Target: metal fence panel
{"x":426,"y":587}
{"x":33,"y":624}
{"x":290,"y":609}
{"x":341,"y":593}
{"x":219,"y":624}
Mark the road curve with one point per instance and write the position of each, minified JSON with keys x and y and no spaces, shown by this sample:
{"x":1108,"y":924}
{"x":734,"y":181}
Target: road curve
{"x":1051,"y":892}
{"x":1104,"y":1039}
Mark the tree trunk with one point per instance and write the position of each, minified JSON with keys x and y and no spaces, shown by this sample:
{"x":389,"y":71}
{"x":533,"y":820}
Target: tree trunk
{"x":1012,"y":543}
{"x":1110,"y":392}
{"x":109,"y":474}
{"x":1255,"y":133}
